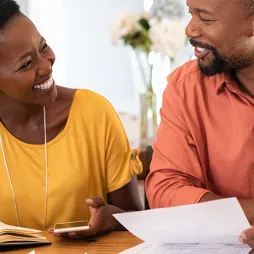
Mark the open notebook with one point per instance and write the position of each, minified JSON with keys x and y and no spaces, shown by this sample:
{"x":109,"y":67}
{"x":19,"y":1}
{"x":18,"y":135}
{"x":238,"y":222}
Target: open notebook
{"x":14,"y":237}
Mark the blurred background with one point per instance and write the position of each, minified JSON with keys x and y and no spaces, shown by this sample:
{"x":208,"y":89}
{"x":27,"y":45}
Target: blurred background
{"x":93,"y":43}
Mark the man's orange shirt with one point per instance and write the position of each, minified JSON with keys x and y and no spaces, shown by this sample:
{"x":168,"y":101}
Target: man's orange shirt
{"x":205,"y":142}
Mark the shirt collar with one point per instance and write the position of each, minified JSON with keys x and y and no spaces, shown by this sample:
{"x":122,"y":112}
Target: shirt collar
{"x":224,"y":79}
{"x":227,"y":80}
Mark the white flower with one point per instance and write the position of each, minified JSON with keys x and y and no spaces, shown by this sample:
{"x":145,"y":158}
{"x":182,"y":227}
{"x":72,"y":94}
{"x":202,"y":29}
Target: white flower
{"x":167,"y":36}
{"x":127,"y":24}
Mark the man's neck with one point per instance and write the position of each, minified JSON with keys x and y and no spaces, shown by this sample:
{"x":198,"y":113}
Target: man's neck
{"x":246,"y":79}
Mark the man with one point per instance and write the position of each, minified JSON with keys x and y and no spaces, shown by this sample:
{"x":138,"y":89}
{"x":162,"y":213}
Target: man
{"x":204,"y":149}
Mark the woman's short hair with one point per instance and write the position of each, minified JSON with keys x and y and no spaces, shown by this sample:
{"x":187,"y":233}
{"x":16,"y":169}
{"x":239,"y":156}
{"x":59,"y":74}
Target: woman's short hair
{"x":8,"y":9}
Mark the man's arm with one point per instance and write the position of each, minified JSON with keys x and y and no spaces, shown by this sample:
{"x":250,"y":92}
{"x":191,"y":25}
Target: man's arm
{"x":178,"y":173}
{"x":178,"y":170}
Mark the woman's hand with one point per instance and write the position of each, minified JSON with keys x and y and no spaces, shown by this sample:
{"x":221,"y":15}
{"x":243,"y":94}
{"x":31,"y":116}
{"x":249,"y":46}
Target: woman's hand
{"x":247,"y":237}
{"x":101,"y":220}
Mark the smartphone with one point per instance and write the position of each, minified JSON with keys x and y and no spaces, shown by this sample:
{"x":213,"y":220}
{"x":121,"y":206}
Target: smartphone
{"x":73,"y":226}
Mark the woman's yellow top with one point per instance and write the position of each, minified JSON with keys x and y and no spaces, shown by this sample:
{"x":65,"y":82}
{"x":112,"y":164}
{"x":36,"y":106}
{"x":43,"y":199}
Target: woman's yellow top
{"x":90,"y":157}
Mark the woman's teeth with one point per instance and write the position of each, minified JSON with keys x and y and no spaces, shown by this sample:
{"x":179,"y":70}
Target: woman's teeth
{"x":45,"y":85}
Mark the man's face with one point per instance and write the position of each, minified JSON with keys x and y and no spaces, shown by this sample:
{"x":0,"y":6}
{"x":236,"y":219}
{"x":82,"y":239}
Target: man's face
{"x":222,"y":35}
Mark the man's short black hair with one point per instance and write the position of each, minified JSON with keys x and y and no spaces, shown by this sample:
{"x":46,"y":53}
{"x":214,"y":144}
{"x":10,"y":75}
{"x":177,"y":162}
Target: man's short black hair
{"x":247,"y":6}
{"x":8,"y":9}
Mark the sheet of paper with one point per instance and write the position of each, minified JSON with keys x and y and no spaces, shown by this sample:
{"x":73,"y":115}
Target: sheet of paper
{"x":142,"y":248}
{"x":220,"y":221}
{"x":146,"y":248}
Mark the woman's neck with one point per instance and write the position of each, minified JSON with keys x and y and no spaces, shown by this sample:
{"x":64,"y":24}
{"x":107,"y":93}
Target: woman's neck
{"x":26,"y":121}
{"x":13,"y":112}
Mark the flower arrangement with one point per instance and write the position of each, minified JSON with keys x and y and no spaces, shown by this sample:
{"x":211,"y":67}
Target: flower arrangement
{"x":148,"y":33}
{"x":145,"y":34}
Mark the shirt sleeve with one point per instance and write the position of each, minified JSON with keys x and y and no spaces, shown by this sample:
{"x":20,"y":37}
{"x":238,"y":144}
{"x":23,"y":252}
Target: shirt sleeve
{"x":121,"y":161}
{"x":176,"y":176}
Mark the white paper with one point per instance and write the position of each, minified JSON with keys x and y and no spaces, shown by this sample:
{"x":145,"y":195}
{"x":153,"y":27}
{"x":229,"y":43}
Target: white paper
{"x":32,"y":252}
{"x":220,"y":221}
{"x":140,"y":249}
{"x":146,"y":248}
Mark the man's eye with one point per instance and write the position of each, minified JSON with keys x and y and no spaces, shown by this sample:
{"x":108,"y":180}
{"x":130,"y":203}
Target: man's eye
{"x":44,"y":47}
{"x":26,"y":65}
{"x":207,"y":20}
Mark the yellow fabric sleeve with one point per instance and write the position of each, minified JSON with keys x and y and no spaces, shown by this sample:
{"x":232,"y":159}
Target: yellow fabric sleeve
{"x":120,"y":162}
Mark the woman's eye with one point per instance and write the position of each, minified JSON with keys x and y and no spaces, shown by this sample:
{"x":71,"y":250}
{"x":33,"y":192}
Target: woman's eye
{"x":44,"y":47}
{"x":26,"y":65}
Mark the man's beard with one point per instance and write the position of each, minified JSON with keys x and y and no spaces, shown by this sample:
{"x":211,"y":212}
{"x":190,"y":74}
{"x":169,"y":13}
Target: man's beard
{"x":220,"y":64}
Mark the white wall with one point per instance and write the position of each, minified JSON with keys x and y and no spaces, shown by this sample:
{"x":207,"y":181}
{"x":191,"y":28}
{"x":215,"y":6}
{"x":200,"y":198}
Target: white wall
{"x":91,"y":60}
{"x":23,"y":5}
{"x":188,"y":52}
{"x":48,"y":16}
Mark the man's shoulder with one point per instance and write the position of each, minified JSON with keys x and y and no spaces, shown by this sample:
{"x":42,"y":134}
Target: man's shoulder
{"x":185,"y":72}
{"x":189,"y":78}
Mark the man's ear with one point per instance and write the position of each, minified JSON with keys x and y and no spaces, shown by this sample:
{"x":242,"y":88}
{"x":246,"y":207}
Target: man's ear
{"x":252,"y":25}
{"x":251,"y":32}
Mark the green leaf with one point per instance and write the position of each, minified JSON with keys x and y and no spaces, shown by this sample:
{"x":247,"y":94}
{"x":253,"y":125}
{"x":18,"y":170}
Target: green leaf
{"x":144,"y":23}
{"x":139,"y":40}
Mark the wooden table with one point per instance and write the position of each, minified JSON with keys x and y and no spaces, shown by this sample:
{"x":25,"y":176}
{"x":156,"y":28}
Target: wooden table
{"x":111,"y":243}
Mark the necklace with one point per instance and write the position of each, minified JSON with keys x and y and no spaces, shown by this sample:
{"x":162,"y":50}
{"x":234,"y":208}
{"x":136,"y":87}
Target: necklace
{"x":46,"y":171}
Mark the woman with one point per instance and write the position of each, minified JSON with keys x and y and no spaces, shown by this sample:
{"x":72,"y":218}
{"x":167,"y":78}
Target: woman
{"x":59,"y":147}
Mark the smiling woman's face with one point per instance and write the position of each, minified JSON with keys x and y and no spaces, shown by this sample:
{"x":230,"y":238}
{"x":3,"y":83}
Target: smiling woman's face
{"x":222,"y":33}
{"x":26,"y":63}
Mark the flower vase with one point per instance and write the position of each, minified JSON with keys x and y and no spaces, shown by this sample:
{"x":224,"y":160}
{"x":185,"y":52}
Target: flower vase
{"x":148,"y":118}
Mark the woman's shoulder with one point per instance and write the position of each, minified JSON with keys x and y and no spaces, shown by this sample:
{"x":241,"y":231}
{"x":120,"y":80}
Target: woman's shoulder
{"x":92,"y":101}
{"x":87,"y":103}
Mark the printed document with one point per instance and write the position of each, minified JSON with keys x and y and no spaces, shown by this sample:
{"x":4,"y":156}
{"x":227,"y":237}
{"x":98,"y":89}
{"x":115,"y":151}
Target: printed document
{"x":215,"y":226}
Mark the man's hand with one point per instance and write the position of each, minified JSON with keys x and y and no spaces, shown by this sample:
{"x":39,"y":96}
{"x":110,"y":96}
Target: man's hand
{"x":101,"y":220}
{"x":247,"y":237}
